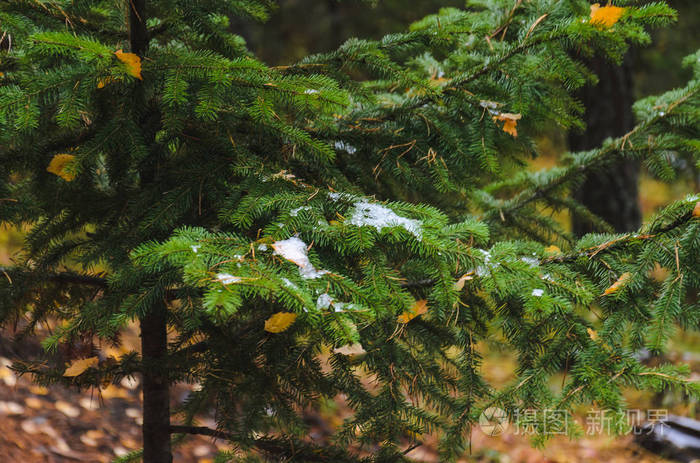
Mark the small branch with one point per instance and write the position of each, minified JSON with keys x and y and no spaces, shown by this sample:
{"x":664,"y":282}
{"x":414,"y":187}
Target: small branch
{"x":620,"y":242}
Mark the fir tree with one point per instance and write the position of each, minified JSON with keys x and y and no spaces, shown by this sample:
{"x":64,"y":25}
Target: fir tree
{"x":364,"y":213}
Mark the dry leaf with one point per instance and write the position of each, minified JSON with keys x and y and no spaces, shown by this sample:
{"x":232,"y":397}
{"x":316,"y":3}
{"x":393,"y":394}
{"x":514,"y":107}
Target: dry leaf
{"x":10,"y":408}
{"x":510,"y":121}
{"x":593,"y":335}
{"x":33,"y":402}
{"x":622,"y":281}
{"x":552,"y":250}
{"x":88,"y":403}
{"x":696,"y":210}
{"x":350,"y":349}
{"x":67,"y":409}
{"x":104,"y":81}
{"x":58,"y":166}
{"x":279,"y":322}
{"x":77,"y":367}
{"x":114,"y":392}
{"x":132,"y":62}
{"x":38,"y":390}
{"x":419,"y":308}
{"x":605,"y":16}
{"x":459,"y":284}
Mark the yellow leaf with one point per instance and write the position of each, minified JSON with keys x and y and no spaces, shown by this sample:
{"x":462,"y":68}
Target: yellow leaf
{"x":419,"y":308}
{"x":459,"y":284}
{"x":696,"y":210}
{"x":592,"y":334}
{"x":77,"y":367}
{"x":510,"y":121}
{"x":104,"y":81}
{"x":552,"y":250}
{"x":38,"y":390}
{"x":622,"y":281}
{"x":605,"y":17}
{"x":350,"y":349}
{"x":58,"y":166}
{"x":279,"y":322}
{"x":132,"y":62}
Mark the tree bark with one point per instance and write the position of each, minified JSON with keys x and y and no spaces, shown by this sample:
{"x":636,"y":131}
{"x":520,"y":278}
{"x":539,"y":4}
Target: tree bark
{"x":156,"y":387}
{"x":612,"y":194}
{"x":154,"y":325}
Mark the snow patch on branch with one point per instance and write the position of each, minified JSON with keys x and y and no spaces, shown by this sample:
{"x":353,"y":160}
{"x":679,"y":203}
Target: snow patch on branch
{"x":227,"y":278}
{"x":294,"y":250}
{"x":379,"y":216}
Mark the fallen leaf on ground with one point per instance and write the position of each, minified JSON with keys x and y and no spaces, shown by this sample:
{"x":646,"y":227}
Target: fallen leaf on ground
{"x":10,"y":408}
{"x":67,"y":409}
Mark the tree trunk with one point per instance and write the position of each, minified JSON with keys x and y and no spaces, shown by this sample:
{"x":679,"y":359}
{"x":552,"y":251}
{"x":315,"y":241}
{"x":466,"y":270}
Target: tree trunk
{"x":612,"y":194}
{"x":154,"y":325}
{"x":156,"y":387}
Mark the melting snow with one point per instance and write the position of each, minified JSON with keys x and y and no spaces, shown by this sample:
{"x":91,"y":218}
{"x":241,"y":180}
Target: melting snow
{"x":484,"y":270}
{"x":195,"y":248}
{"x":227,"y":278}
{"x":262,"y":247}
{"x":341,"y":145}
{"x":294,"y":249}
{"x":334,"y":196}
{"x":378,"y":216}
{"x":323,"y":301}
{"x":531,"y":261}
{"x":537,"y":292}
{"x":295,"y":212}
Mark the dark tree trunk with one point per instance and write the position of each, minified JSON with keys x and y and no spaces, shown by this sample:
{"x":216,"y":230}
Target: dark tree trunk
{"x":154,"y":325}
{"x":156,"y":387}
{"x":612,"y":194}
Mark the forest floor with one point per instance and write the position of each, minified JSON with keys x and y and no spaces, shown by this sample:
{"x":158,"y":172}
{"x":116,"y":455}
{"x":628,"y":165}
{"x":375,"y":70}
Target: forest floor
{"x":57,"y":424}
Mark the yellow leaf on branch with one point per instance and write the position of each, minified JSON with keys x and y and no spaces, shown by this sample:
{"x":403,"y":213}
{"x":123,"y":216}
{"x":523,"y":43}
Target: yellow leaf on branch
{"x":419,"y":308}
{"x":279,"y":322}
{"x":696,"y":210}
{"x":510,"y":122}
{"x":459,"y":284}
{"x":132,"y":62}
{"x":59,"y":164}
{"x":78,"y":367}
{"x":104,"y":81}
{"x":622,"y":281}
{"x":552,"y":250}
{"x":592,"y":334}
{"x":605,"y":16}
